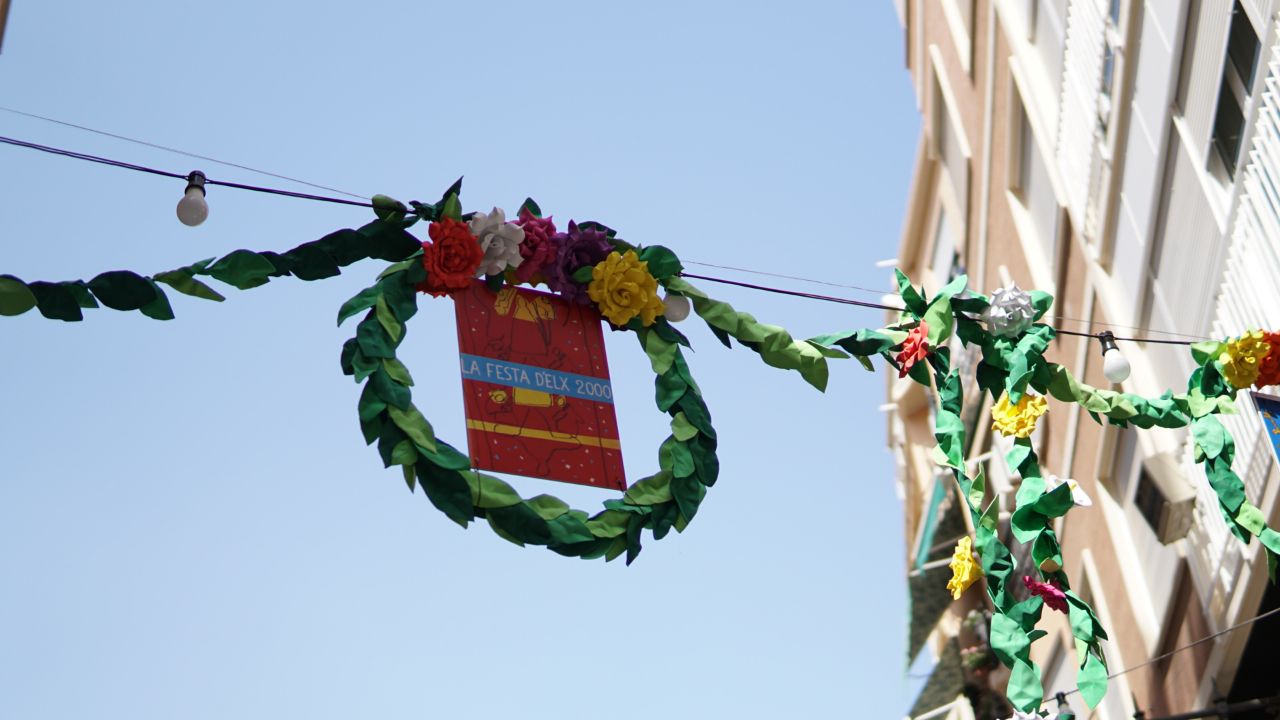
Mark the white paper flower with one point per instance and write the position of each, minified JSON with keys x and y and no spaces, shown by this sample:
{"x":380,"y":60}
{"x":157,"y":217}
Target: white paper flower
{"x":500,"y":241}
{"x":1010,"y":312}
{"x":1078,"y":495}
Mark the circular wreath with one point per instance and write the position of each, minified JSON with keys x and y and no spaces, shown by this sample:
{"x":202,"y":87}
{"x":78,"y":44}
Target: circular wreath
{"x":687,"y":459}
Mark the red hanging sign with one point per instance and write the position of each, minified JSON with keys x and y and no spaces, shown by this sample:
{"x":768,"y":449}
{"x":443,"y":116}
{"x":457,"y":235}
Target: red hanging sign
{"x":535,"y":383}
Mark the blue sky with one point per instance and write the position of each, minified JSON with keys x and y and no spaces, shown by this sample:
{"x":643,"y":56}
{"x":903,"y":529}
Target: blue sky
{"x":190,"y":523}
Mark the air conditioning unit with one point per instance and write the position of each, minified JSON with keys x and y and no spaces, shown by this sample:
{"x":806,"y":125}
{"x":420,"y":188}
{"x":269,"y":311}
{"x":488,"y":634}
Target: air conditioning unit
{"x":1164,"y":497}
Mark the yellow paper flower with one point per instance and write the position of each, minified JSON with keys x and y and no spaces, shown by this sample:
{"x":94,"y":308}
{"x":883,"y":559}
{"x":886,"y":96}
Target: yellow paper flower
{"x":1018,"y":420}
{"x":622,"y":287}
{"x":965,"y":569}
{"x":1242,"y":357}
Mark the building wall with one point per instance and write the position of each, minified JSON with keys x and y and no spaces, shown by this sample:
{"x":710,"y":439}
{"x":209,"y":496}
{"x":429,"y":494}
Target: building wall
{"x":1033,"y":169}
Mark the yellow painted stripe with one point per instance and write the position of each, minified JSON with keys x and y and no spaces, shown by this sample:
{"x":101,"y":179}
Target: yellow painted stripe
{"x":536,"y":434}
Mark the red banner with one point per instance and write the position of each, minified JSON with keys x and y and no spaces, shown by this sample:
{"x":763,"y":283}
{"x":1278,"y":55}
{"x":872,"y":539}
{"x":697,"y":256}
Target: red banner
{"x":535,"y":383}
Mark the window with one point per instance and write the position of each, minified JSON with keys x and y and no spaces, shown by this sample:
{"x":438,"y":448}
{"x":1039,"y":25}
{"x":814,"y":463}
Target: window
{"x":1107,"y":82}
{"x":1238,"y":72}
{"x":950,"y":146}
{"x":944,"y":247}
{"x":1035,"y":190}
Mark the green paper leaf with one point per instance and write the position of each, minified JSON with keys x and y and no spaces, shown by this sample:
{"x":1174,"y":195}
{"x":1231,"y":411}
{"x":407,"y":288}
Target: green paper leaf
{"x":548,"y":507}
{"x":489,"y":492}
{"x":1206,"y":351}
{"x":397,"y":371}
{"x":662,"y":262}
{"x":412,"y":422}
{"x":681,"y":428}
{"x":361,"y":302}
{"x":183,"y":280}
{"x":15,"y":297}
{"x":447,"y":490}
{"x":388,"y":321}
{"x":80,"y":291}
{"x":1092,"y":680}
{"x":123,"y":290}
{"x":388,"y":209}
{"x":531,"y":207}
{"x":583,"y":275}
{"x":243,"y":269}
{"x":451,"y":207}
{"x":910,"y":298}
{"x":159,"y":308}
{"x":56,"y":302}
{"x":650,"y":491}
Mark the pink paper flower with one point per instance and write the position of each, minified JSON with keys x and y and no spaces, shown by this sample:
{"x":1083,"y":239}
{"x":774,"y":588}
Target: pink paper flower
{"x":1049,"y":591}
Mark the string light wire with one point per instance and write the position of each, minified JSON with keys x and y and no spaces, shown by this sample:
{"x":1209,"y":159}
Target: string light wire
{"x":364,"y":203}
{"x":177,"y":151}
{"x":1175,"y":651}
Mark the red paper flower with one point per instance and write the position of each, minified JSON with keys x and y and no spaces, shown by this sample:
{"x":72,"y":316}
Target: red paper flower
{"x":451,"y":259}
{"x":1269,"y":367}
{"x":914,"y":349}
{"x":539,"y":246}
{"x":1052,"y":594}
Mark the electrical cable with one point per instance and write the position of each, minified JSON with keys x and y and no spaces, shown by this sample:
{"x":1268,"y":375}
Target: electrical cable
{"x":342,"y":201}
{"x":177,"y":151}
{"x":166,"y":173}
{"x":1188,"y":646}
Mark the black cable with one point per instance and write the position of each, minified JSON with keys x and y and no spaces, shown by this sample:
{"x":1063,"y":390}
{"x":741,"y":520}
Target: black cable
{"x":176,"y":151}
{"x":166,"y":173}
{"x":342,"y":201}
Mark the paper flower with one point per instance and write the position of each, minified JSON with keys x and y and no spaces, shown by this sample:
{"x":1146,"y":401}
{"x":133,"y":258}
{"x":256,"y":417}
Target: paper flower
{"x":500,"y":241}
{"x":623,"y":288}
{"x":579,"y":248}
{"x":965,"y":569}
{"x":1241,"y":357}
{"x":1049,"y":591}
{"x":1078,"y":495}
{"x":914,"y":349}
{"x":1269,"y":366}
{"x":1010,"y":312}
{"x":1018,"y":420}
{"x":539,"y":246}
{"x":451,"y":258}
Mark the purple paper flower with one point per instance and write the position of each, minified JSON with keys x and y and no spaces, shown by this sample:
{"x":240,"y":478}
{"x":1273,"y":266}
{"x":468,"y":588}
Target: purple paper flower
{"x":578,"y":248}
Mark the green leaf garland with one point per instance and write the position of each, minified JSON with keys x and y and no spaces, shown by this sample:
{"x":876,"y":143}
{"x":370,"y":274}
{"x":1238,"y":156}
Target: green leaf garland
{"x":1012,"y":366}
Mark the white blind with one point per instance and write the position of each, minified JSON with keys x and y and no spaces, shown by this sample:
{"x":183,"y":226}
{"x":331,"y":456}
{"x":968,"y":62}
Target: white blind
{"x":1078,"y":114}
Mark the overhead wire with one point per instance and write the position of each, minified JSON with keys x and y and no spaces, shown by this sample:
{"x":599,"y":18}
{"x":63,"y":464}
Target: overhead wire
{"x":177,"y":151}
{"x":1175,"y":651}
{"x":368,"y":204}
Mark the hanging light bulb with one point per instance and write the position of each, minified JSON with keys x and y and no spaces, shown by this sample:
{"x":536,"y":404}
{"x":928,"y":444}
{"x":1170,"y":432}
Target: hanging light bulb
{"x":192,"y":208}
{"x":1114,"y":364}
{"x":675,"y":307}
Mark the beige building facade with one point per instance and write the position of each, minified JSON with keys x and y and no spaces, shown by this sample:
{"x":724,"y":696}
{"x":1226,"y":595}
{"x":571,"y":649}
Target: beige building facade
{"x":1123,"y":156}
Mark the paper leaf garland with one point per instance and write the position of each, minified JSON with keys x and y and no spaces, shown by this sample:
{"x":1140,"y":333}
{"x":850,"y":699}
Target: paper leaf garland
{"x":1013,"y":363}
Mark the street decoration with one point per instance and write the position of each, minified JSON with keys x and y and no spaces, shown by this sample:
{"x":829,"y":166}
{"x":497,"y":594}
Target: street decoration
{"x":589,"y":266}
{"x":1006,"y":328}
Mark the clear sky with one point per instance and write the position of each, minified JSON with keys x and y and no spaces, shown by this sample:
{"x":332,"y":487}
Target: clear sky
{"x":190,"y":523}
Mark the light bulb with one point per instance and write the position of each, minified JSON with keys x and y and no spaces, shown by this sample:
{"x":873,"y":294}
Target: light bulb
{"x":675,"y":307}
{"x":1064,"y":710}
{"x":193,"y":208}
{"x":1115,"y":366}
